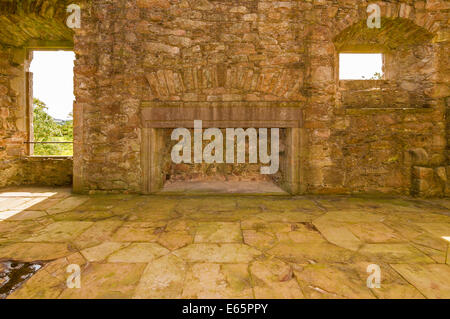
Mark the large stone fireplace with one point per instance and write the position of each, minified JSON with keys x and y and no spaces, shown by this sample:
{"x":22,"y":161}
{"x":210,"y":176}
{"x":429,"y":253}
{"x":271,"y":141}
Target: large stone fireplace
{"x":159,"y":118}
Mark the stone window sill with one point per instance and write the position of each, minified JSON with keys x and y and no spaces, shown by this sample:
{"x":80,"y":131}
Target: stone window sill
{"x":49,"y":157}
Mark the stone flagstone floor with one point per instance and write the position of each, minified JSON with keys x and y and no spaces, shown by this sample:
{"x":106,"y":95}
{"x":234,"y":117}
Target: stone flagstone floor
{"x":131,"y":246}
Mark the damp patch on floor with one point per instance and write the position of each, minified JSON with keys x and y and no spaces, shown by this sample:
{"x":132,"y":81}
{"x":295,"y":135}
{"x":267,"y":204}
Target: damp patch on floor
{"x":13,"y":274}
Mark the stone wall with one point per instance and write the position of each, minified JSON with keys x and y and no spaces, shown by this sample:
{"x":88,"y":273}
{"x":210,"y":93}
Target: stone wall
{"x":12,"y":117}
{"x":131,"y":51}
{"x":199,"y":50}
{"x":48,"y":171}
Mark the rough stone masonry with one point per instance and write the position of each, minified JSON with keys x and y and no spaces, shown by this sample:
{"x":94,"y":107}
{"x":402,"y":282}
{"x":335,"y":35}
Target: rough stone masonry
{"x":389,"y":135}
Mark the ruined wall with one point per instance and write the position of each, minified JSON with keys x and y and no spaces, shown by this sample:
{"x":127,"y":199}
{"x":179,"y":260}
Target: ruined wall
{"x":12,"y":121}
{"x":48,"y":171}
{"x":130,"y":51}
{"x":108,"y":82}
{"x":376,"y":124}
{"x":180,"y":51}
{"x":199,"y":50}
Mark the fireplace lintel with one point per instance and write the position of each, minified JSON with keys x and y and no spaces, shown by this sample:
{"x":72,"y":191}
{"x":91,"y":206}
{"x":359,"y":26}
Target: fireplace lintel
{"x":222,"y":114}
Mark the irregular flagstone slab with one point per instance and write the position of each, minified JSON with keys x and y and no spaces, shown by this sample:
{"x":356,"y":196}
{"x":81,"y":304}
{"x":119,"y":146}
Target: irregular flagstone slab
{"x":100,"y":252}
{"x":178,"y":225}
{"x":156,"y":204}
{"x":138,"y":253}
{"x":259,"y":224}
{"x":431,"y":241}
{"x":152,"y":216}
{"x":162,"y":278}
{"x":137,"y":232}
{"x":17,"y":231}
{"x":83,"y":216}
{"x":295,"y":204}
{"x":30,"y":204}
{"x":437,"y":229}
{"x":431,"y":280}
{"x":438,"y":256}
{"x":332,"y":281}
{"x":299,"y":237}
{"x":346,"y":203}
{"x":46,"y":204}
{"x":259,"y":240}
{"x":225,"y":216}
{"x":50,"y":281}
{"x":273,"y":279}
{"x":126,"y":207}
{"x":249,"y":202}
{"x":13,"y":203}
{"x":99,"y":232}
{"x":107,"y":281}
{"x":301,"y":233}
{"x":337,"y":234}
{"x":209,"y":280}
{"x":370,"y":203}
{"x":375,"y":232}
{"x":67,"y":204}
{"x":146,"y":224}
{"x":218,"y":232}
{"x":419,"y":237}
{"x":393,"y":204}
{"x":219,"y":253}
{"x":417,"y":217}
{"x":287,"y":217}
{"x":104,"y":203}
{"x":175,"y":239}
{"x":304,"y":253}
{"x":60,"y":232}
{"x":34,"y":251}
{"x":405,"y":229}
{"x":395,"y":253}
{"x":8,"y":214}
{"x":143,"y":203}
{"x":353,"y":216}
{"x":27,"y":215}
{"x":206,"y":204}
{"x":392,"y":285}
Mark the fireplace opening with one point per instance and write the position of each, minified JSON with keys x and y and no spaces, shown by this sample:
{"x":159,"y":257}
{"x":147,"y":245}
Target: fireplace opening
{"x":224,"y":147}
{"x":242,"y":176}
